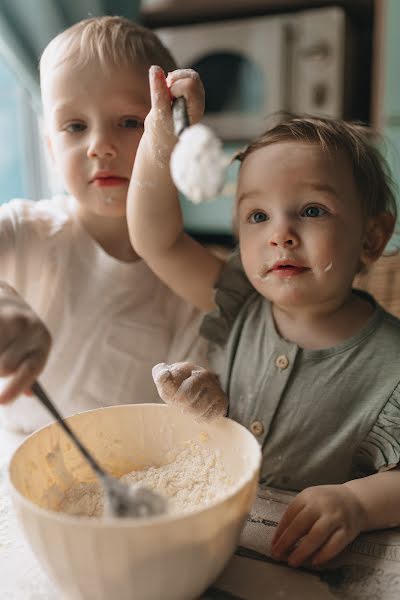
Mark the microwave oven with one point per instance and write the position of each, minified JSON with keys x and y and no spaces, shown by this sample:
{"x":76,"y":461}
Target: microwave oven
{"x":251,"y":69}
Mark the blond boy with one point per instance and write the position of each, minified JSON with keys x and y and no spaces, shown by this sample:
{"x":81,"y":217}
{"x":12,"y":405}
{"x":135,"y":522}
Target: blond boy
{"x":70,"y":258}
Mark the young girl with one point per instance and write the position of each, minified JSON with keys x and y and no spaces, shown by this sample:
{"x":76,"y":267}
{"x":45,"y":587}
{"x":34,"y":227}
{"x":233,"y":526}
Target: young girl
{"x":309,"y":364}
{"x":69,"y":259}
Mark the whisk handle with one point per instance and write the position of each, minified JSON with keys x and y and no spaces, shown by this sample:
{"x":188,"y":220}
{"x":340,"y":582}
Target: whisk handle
{"x":39,"y":392}
{"x":180,"y":115}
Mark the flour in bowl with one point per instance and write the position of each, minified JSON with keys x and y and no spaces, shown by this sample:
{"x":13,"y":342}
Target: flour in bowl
{"x":193,"y":478}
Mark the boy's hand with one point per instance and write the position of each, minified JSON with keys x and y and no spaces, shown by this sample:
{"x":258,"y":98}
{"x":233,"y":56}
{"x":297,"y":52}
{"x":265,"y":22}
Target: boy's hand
{"x":318,"y":524}
{"x":192,"y":388}
{"x":159,"y":128}
{"x":24,"y":343}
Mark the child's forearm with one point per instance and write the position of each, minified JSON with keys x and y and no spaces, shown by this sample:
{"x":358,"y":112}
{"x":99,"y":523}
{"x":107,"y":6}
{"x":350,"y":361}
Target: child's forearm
{"x":156,"y":231}
{"x":153,"y":211}
{"x":379,"y":495}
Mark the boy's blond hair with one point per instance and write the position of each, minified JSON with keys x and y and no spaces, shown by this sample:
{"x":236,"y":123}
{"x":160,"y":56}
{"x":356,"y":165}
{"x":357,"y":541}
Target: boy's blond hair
{"x":370,"y":169}
{"x":107,"y":41}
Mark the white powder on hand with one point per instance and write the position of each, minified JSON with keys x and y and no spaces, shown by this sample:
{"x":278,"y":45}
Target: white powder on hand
{"x":193,"y":478}
{"x":198,"y":164}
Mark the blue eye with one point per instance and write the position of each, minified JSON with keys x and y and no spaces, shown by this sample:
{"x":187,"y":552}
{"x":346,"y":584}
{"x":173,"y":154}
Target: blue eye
{"x":75,"y":127}
{"x":131,"y":123}
{"x":258,"y":217}
{"x":313,"y":211}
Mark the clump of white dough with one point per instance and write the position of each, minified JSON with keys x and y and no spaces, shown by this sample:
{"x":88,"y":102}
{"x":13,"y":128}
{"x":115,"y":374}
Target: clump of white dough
{"x":198,"y":164}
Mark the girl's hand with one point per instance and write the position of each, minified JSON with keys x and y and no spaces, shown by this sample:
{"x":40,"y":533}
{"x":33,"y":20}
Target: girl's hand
{"x":192,"y":388}
{"x":24,"y":344}
{"x":318,"y":524}
{"x":159,"y":128}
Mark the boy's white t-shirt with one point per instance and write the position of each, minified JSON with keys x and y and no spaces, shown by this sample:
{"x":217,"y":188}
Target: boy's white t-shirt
{"x":110,"y":321}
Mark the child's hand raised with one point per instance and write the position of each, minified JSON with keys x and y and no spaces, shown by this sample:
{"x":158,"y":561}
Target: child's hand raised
{"x":24,"y":344}
{"x":318,"y":524}
{"x":191,"y":388}
{"x":159,"y":128}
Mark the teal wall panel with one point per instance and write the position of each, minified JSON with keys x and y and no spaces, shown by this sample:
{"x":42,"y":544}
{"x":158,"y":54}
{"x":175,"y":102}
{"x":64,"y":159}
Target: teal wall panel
{"x":12,"y":183}
{"x":391,"y":99}
{"x":392,"y":135}
{"x":392,"y":61}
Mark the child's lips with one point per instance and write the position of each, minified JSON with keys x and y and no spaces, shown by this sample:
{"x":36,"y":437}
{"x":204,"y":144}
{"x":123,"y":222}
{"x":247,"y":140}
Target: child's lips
{"x":287,"y":269}
{"x":110,"y":181}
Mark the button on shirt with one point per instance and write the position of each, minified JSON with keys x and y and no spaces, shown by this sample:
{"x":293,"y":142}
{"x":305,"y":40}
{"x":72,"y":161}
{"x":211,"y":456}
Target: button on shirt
{"x":270,"y":375}
{"x":257,"y":428}
{"x":282,"y":362}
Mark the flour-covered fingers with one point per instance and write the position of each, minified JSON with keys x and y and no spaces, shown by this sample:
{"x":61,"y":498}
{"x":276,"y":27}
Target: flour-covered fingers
{"x":201,"y":395}
{"x":192,"y":388}
{"x":159,"y":138}
{"x":159,"y":92}
{"x":169,"y":378}
{"x":178,"y":74}
{"x":187,"y":83}
{"x":164,"y":382}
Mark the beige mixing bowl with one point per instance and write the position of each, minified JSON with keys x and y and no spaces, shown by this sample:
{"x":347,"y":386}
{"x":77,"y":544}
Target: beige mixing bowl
{"x":163,"y":558}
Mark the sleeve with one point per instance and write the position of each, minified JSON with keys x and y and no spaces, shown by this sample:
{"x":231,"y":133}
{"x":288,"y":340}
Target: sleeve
{"x":232,"y":291}
{"x":380,"y":450}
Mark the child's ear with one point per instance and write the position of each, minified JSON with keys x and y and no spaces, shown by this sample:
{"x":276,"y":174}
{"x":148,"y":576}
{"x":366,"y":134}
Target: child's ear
{"x":378,"y":232}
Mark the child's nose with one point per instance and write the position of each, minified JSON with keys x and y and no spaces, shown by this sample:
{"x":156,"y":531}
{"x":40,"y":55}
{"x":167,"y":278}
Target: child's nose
{"x":101,"y":146}
{"x":283,"y":236}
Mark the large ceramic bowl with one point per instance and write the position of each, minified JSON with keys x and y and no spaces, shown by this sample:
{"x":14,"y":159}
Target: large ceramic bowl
{"x":163,"y":558}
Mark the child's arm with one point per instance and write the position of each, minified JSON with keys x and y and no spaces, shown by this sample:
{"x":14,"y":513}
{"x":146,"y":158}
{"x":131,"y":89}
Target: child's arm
{"x":154,"y":214}
{"x":24,"y":343}
{"x":323,"y":520}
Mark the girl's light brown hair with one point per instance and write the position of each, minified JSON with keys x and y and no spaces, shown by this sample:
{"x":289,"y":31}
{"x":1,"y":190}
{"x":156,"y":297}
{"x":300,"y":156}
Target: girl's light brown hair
{"x":370,"y":169}
{"x":109,"y":42}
